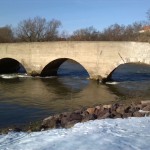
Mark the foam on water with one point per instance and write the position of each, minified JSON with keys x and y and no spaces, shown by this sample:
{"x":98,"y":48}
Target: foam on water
{"x":12,"y":76}
{"x":8,"y":76}
{"x":112,"y":83}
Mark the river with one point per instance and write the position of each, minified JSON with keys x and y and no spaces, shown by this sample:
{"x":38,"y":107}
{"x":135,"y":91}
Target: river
{"x":25,"y":99}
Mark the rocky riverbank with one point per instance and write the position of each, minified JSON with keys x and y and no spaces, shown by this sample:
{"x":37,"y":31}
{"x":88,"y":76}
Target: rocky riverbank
{"x":68,"y":119}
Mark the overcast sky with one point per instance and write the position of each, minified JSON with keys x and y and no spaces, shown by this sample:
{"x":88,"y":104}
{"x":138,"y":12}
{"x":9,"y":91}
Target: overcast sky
{"x":75,"y":14}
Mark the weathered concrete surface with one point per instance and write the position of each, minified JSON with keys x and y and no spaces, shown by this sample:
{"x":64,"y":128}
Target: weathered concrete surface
{"x":98,"y":58}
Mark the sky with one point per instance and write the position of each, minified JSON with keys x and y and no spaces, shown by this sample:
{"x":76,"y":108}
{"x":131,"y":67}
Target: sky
{"x":75,"y":14}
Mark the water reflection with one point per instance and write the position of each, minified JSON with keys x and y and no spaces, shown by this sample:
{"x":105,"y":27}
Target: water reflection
{"x":36,"y":98}
{"x":43,"y":92}
{"x":131,"y":72}
{"x":132,"y":80}
{"x":132,"y":89}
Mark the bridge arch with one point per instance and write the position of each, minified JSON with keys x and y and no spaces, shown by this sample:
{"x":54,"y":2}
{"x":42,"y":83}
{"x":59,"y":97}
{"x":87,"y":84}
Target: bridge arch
{"x":119,"y":64}
{"x":51,"y":69}
{"x":11,"y":65}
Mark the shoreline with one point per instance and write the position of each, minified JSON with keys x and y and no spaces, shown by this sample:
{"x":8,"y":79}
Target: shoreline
{"x":69,"y":119}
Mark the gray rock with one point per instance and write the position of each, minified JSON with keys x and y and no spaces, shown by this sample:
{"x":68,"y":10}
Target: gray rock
{"x":104,"y":116}
{"x":75,"y":116}
{"x":146,"y":108}
{"x":49,"y":122}
{"x":126,"y":115}
{"x":71,"y":123}
{"x":145,"y":102}
{"x":86,"y":116}
{"x":138,"y":114}
{"x":114,"y":114}
{"x":90,"y":110}
{"x":120,"y":110}
{"x":64,"y":118}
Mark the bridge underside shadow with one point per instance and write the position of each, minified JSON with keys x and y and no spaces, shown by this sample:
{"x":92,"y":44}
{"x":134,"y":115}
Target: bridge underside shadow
{"x":129,"y":72}
{"x":52,"y":68}
{"x":9,"y":65}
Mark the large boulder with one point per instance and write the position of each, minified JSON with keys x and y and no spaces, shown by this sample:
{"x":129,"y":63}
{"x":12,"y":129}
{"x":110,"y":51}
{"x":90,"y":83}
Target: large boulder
{"x":145,"y":102}
{"x":75,"y":116}
{"x":146,"y":108}
{"x":126,"y":115}
{"x":103,"y":114}
{"x":86,"y":116}
{"x":114,"y":114}
{"x":69,"y":119}
{"x":71,"y":123}
{"x":49,"y":122}
{"x":90,"y":110}
{"x":120,"y":110}
{"x":138,"y":114}
{"x":64,"y":118}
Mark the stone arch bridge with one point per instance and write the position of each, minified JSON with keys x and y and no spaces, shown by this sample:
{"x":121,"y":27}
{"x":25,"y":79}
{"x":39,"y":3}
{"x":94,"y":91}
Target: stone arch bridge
{"x":100,"y":59}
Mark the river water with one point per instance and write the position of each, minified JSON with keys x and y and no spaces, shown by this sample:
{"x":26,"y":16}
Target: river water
{"x":25,"y":99}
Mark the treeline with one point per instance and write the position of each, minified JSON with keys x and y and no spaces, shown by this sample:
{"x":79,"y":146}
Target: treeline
{"x":112,"y":33}
{"x":39,"y":30}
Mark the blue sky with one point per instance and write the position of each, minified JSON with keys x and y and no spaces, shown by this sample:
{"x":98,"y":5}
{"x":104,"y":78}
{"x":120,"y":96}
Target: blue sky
{"x":75,"y":14}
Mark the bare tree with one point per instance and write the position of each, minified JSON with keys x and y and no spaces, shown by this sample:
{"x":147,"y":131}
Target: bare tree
{"x":37,"y":29}
{"x":114,"y":33}
{"x":86,"y":34}
{"x":64,"y":36}
{"x":131,"y":32}
{"x":148,"y":15}
{"x":6,"y":34}
{"x":31,"y":30}
{"x":122,"y":33}
{"x":52,"y":32}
